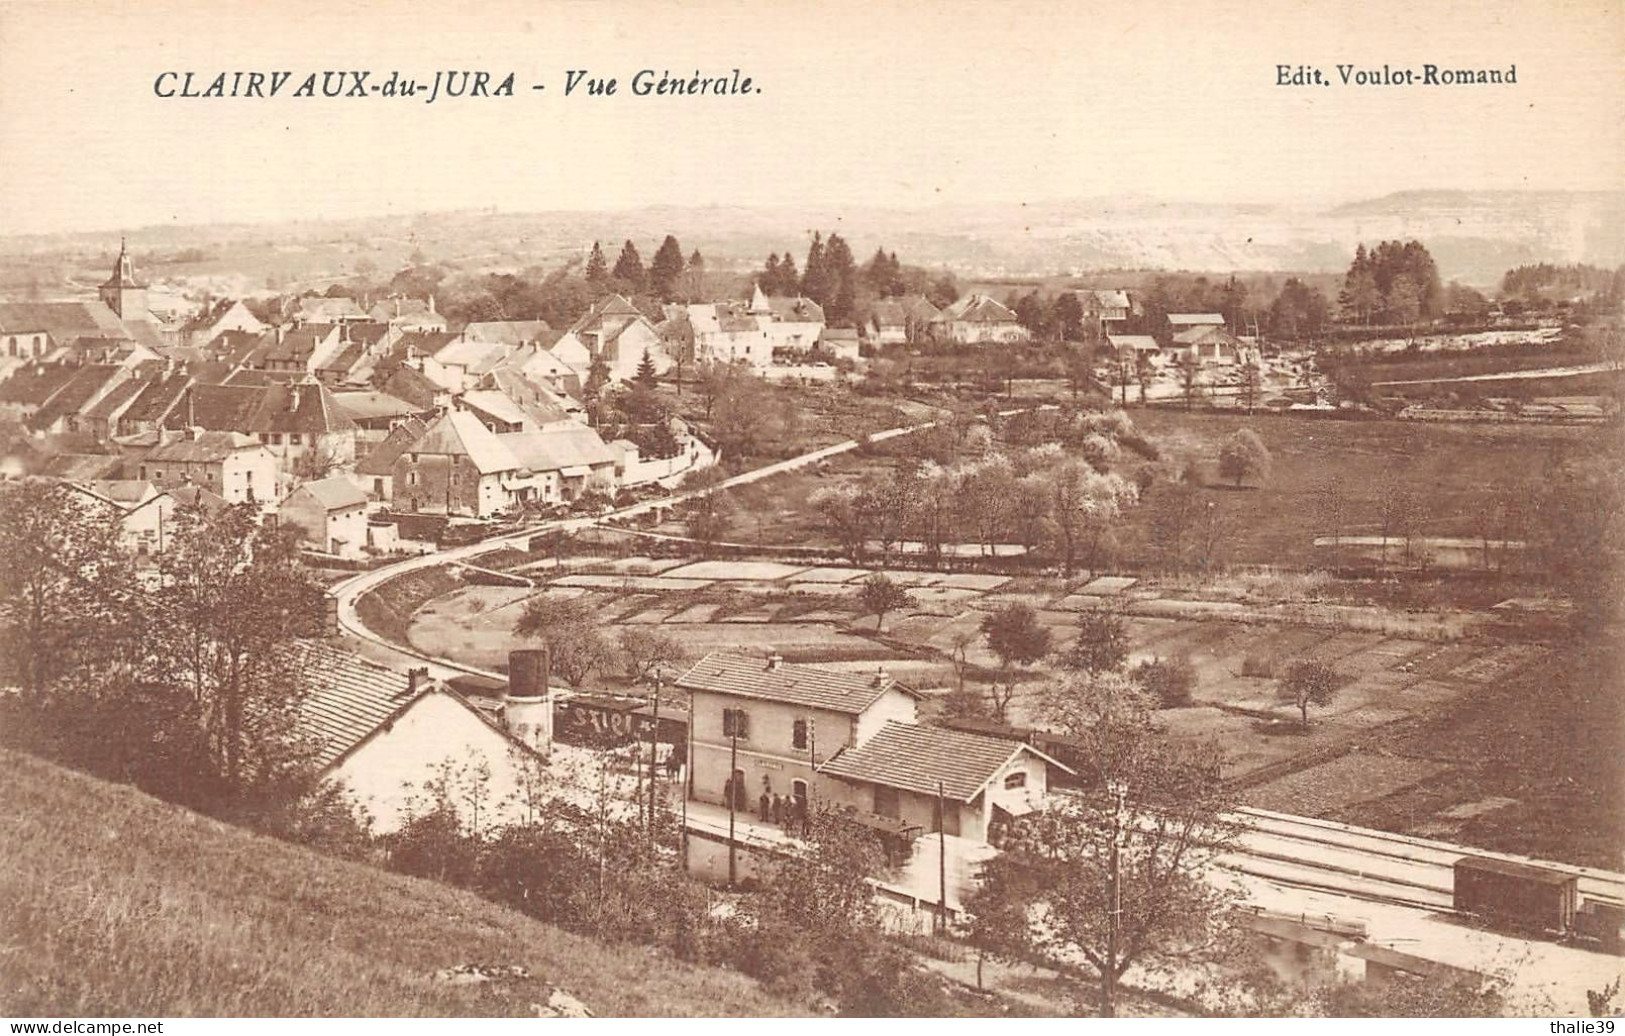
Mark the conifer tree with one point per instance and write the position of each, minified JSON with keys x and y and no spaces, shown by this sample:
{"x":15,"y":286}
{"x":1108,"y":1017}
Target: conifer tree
{"x":665,"y":269}
{"x":597,"y":268}
{"x":629,"y":268}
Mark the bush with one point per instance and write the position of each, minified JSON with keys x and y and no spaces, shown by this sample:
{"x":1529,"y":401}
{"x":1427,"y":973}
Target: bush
{"x":1171,"y":681}
{"x":1258,"y":665}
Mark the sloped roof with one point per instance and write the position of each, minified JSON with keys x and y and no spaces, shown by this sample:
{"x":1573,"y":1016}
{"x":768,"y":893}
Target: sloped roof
{"x":334,"y":493}
{"x":115,"y":402}
{"x":494,"y":404}
{"x":371,"y":406}
{"x":1187,"y":319}
{"x":421,"y":343}
{"x":980,"y":309}
{"x":209,"y":315}
{"x":896,"y":312}
{"x":366,"y":332}
{"x":1201,"y":333}
{"x":558,"y":448}
{"x":63,"y":321}
{"x":196,"y":497}
{"x":747,"y":676}
{"x":124,"y":493}
{"x":458,"y":433}
{"x":1141,"y":342}
{"x":381,"y":461}
{"x":207,"y":448}
{"x":75,"y":393}
{"x":795,"y":309}
{"x":83,"y":466}
{"x":1108,"y":298}
{"x":235,"y":346}
{"x":915,"y":758}
{"x":412,"y":386}
{"x":348,"y":697}
{"x":321,"y":308}
{"x":511,"y":332}
{"x":467,"y":352}
{"x":34,"y":385}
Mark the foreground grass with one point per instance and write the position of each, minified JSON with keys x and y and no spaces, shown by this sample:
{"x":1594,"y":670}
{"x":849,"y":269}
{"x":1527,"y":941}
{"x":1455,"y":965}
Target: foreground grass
{"x":113,"y":903}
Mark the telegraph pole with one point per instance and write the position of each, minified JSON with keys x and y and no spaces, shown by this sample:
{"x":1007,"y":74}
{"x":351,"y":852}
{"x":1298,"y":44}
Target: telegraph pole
{"x":1114,"y":919}
{"x":654,"y":753}
{"x":942,"y":864}
{"x":733,"y":795}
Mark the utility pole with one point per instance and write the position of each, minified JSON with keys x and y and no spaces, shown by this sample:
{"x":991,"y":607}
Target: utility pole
{"x":942,"y":864}
{"x":654,"y":753}
{"x":688,"y":774}
{"x":733,"y":795}
{"x":1119,"y":793}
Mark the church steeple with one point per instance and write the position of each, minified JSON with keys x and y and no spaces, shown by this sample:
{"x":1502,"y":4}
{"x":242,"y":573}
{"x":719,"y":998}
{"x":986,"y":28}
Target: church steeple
{"x":122,"y":293}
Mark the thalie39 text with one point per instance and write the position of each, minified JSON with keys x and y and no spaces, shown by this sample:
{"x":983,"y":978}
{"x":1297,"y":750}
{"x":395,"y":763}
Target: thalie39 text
{"x":448,"y":83}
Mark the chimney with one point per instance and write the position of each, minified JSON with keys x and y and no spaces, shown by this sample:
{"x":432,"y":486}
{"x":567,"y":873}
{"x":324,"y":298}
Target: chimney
{"x":193,"y":433}
{"x":416,"y":679}
{"x":431,"y":302}
{"x":279,"y":334}
{"x":527,"y":707}
{"x":775,"y":661}
{"x":881,"y":676}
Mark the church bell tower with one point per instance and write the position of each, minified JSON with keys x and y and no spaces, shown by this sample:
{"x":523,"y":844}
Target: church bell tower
{"x":122,"y":293}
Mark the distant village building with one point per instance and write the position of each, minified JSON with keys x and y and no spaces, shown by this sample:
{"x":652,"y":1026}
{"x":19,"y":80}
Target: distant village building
{"x":1207,"y":344}
{"x":320,"y":309}
{"x":229,"y":464}
{"x":408,"y":314}
{"x":458,"y":467}
{"x":1181,"y":321}
{"x":144,"y":512}
{"x":978,"y":320}
{"x":614,"y":331}
{"x":329,"y":514}
{"x":1108,"y":308}
{"x":901,"y":321}
{"x":215,"y":319}
{"x":753,"y":332}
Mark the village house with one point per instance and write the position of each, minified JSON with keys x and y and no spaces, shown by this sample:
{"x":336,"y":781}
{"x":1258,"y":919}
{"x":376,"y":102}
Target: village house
{"x":458,"y":467}
{"x":614,"y":331}
{"x":767,"y":727}
{"x":726,"y":332}
{"x":900,"y":321}
{"x":383,"y":735}
{"x":319,"y":309}
{"x":513,"y":333}
{"x":1131,"y":348}
{"x":297,"y":350}
{"x":917,"y":774}
{"x":374,"y":473}
{"x":780,"y":721}
{"x":977,"y":320}
{"x":375,"y":414}
{"x":565,"y":461}
{"x":33,"y":330}
{"x":544,"y":405}
{"x":840,"y":343}
{"x":408,"y":314}
{"x":1206,"y":344}
{"x":300,"y":422}
{"x":1108,"y":308}
{"x":230,"y":464}
{"x":60,"y":412}
{"x":144,"y":512}
{"x":329,"y":514}
{"x":793,"y":324}
{"x":457,"y":364}
{"x":214,"y":320}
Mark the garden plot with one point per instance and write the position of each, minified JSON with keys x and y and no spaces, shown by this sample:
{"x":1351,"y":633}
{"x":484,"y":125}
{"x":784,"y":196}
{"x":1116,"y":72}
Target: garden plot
{"x":1389,"y":654}
{"x":941,"y":600}
{"x":830,"y":589}
{"x":607,"y":582}
{"x":622,"y":609}
{"x":830,"y":575}
{"x":1344,"y":781}
{"x":642,"y":566}
{"x":973,"y":581}
{"x":695,"y":613}
{"x":732,"y":571}
{"x":1081,"y":602}
{"x":1497,"y":664}
{"x":1108,"y":585}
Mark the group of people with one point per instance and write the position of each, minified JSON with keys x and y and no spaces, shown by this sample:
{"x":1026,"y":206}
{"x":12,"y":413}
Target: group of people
{"x":785,"y":810}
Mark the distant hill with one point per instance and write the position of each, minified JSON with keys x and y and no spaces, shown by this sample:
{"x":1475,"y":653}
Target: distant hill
{"x":113,"y":903}
{"x":1476,"y":236}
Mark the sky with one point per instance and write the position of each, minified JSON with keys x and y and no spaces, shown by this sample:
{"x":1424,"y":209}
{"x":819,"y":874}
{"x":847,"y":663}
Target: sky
{"x":899,"y":103}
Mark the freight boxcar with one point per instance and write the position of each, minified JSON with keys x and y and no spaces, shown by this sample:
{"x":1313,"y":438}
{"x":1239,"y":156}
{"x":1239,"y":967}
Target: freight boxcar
{"x":1516,"y":896}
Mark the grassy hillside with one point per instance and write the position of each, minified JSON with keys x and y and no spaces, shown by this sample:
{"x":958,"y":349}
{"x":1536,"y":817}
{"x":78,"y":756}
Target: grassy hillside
{"x":114,"y":903}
